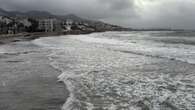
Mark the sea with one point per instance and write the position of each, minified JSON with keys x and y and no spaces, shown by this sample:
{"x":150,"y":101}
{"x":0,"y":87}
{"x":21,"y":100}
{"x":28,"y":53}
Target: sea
{"x":136,"y":70}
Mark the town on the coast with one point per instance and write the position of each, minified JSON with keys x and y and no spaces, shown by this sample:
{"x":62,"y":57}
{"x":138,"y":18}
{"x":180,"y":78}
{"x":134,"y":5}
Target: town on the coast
{"x":45,"y":22}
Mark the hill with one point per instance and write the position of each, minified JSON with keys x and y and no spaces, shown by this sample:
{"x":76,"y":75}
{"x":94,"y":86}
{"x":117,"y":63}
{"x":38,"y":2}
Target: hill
{"x":44,"y":14}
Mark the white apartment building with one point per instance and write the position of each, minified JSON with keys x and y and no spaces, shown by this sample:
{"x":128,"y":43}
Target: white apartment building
{"x":25,"y":22}
{"x":67,"y":24}
{"x":5,"y":19}
{"x":47,"y":25}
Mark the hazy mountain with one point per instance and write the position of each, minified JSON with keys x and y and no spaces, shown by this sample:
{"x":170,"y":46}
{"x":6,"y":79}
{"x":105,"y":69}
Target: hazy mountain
{"x":45,"y":14}
{"x":3,"y":12}
{"x":28,"y":14}
{"x":39,"y":13}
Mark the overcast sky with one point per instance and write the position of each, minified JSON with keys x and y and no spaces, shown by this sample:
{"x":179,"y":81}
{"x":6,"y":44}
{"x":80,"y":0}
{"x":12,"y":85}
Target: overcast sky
{"x":129,"y":13}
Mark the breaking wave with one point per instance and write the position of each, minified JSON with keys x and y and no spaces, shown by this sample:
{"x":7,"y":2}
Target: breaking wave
{"x":123,"y":71}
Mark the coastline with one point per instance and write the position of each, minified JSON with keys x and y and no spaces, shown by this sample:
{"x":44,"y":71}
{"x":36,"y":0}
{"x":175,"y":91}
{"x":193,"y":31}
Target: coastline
{"x":28,"y":81}
{"x":51,"y":93}
{"x":35,"y":85}
{"x":77,"y":60}
{"x":7,"y":38}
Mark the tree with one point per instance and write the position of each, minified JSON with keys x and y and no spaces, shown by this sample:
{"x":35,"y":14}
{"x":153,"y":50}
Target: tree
{"x":34,"y":25}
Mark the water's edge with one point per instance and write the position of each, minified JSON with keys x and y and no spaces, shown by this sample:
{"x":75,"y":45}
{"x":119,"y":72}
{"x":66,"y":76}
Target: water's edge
{"x":132,"y":72}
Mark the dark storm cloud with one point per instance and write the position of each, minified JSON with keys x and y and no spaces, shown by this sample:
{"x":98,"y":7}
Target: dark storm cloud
{"x":118,"y":4}
{"x":130,"y":13}
{"x":168,"y":14}
{"x":94,"y":9}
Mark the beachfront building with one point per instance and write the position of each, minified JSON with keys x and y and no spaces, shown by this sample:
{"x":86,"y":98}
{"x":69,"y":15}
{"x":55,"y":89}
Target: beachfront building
{"x":25,"y":22}
{"x":12,"y":27}
{"x":67,"y":24}
{"x":3,"y":28}
{"x":9,"y":26}
{"x":46,"y":25}
{"x":57,"y":26}
{"x":5,"y":19}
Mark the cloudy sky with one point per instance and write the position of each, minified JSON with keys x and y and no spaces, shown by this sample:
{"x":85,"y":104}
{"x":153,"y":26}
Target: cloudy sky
{"x":129,"y":13}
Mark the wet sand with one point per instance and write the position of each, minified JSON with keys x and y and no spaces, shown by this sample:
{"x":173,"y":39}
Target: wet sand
{"x":28,"y":82}
{"x":107,"y":77}
{"x":8,"y":38}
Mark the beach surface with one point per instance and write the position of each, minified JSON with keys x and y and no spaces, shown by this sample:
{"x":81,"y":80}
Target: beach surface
{"x":27,"y":81}
{"x":100,"y":71}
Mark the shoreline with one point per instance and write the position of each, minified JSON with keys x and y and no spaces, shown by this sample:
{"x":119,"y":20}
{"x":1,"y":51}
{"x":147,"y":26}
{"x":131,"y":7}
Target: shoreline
{"x":29,"y":82}
{"x":8,"y":38}
{"x":34,"y":83}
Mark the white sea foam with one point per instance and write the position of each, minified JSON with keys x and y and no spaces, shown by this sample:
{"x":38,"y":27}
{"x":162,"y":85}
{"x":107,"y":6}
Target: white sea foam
{"x":109,"y":73}
{"x":181,"y":52}
{"x":93,"y":38}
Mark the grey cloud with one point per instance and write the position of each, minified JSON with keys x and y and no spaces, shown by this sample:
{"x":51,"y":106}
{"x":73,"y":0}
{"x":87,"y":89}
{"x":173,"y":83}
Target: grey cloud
{"x":118,"y":4}
{"x":173,"y":13}
{"x":130,"y":13}
{"x":93,"y":9}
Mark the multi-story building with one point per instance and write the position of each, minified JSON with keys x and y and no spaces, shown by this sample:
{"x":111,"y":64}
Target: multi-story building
{"x":67,"y":24}
{"x":58,"y":26}
{"x":25,"y":22}
{"x":5,"y":19}
{"x":3,"y":28}
{"x":46,"y":25}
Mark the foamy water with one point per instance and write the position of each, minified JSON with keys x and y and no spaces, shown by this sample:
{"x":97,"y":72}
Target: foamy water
{"x":124,"y":70}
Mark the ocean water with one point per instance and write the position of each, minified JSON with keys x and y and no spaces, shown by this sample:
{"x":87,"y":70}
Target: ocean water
{"x":125,"y":70}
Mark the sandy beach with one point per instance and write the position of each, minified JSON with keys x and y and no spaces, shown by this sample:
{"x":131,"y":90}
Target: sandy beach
{"x":28,"y":82}
{"x":124,"y":70}
{"x":7,"y":38}
{"x":99,"y":71}
{"x":97,"y":55}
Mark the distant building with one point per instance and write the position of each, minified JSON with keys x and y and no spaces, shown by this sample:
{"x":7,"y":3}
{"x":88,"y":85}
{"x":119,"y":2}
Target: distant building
{"x":67,"y":24}
{"x":57,"y":26}
{"x":5,"y":19}
{"x":12,"y":28}
{"x":3,"y":28}
{"x":46,"y":25}
{"x":25,"y":22}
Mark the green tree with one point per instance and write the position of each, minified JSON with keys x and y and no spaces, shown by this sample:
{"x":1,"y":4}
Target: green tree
{"x":34,"y":25}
